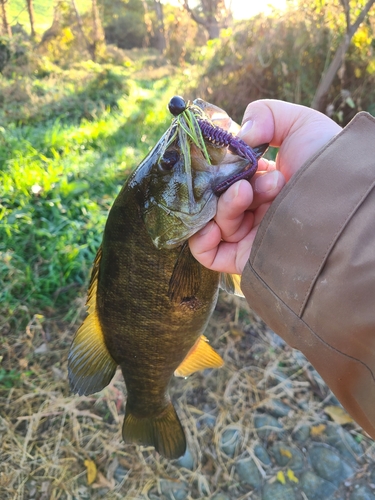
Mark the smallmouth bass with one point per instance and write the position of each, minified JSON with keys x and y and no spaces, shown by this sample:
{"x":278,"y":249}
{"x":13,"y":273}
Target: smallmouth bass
{"x":149,"y":300}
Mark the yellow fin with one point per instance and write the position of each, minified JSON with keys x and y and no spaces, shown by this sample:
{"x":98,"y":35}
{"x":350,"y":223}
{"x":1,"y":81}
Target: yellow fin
{"x":200,"y":357}
{"x":231,"y":283}
{"x":164,"y":432}
{"x":90,"y":366}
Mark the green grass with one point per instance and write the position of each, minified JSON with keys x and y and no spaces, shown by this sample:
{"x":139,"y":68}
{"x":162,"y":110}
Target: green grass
{"x":59,"y":175}
{"x":43,"y":11}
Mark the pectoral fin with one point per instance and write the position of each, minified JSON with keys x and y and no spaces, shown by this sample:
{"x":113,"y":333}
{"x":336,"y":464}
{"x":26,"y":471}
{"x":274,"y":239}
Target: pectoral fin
{"x":231,"y":283}
{"x":185,"y":279}
{"x":200,"y":357}
{"x":90,"y":366}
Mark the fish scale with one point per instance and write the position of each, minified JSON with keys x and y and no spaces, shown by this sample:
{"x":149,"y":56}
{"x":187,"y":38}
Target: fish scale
{"x":149,"y":300}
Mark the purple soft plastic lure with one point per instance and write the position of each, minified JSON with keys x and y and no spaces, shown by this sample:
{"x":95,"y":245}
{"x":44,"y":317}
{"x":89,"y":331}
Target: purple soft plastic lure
{"x":220,"y":137}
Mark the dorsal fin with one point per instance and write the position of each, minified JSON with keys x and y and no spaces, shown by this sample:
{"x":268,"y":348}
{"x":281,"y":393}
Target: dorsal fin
{"x":90,"y":366}
{"x":200,"y":357}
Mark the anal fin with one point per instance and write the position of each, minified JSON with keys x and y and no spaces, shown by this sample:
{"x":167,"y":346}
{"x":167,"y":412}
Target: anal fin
{"x":200,"y":357}
{"x":231,"y":283}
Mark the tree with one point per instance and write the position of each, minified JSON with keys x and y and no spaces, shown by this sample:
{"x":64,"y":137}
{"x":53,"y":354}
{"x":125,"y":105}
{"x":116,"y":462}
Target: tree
{"x":30,"y":9}
{"x":159,"y":26}
{"x":213,"y":15}
{"x":97,"y":31}
{"x":4,"y":17}
{"x":154,"y":22}
{"x":339,"y":57}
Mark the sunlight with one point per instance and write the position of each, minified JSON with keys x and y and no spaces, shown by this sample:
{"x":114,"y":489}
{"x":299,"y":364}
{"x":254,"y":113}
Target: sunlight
{"x":245,"y":10}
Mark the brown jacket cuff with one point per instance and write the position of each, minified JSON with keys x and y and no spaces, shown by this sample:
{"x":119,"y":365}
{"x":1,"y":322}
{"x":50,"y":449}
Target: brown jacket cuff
{"x":311,"y":273}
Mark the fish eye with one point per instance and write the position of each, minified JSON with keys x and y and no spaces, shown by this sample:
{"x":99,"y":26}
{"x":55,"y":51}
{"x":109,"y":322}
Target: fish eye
{"x":177,"y":105}
{"x":169,"y":159}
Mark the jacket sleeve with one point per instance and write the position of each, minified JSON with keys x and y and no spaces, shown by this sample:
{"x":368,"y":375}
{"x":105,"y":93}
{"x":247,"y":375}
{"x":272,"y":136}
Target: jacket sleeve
{"x":311,"y":272}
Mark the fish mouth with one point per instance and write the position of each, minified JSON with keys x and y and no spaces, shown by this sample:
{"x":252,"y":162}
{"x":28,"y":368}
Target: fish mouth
{"x":246,"y":173}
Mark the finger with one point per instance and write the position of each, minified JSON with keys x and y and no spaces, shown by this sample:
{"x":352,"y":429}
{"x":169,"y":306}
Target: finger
{"x":225,"y":257}
{"x":299,"y":131}
{"x":265,"y":165}
{"x":232,"y":216}
{"x":266,"y":186}
{"x":259,"y":213}
{"x":204,"y":244}
{"x":271,"y":121}
{"x":207,"y":247}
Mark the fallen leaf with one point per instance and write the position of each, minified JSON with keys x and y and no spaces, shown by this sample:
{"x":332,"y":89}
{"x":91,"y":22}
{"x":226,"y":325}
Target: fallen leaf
{"x":317,"y":430}
{"x":23,"y":363}
{"x":91,"y":471}
{"x":291,"y":476}
{"x":237,"y":332}
{"x":285,"y":453}
{"x":338,"y":415}
{"x":41,"y":349}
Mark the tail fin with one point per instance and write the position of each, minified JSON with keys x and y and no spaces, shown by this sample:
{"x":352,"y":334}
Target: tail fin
{"x":164,"y":432}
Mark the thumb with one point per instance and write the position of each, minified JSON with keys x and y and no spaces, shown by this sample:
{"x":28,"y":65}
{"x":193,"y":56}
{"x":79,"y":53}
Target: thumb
{"x":298,"y":131}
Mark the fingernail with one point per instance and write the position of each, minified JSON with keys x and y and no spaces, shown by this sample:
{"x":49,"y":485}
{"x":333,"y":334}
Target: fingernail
{"x":267,"y":182}
{"x":207,"y":228}
{"x":245,"y":128}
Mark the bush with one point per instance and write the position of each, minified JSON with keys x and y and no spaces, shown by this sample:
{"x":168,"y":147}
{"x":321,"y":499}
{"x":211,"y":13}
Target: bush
{"x":283,"y":57}
{"x":4,"y":53}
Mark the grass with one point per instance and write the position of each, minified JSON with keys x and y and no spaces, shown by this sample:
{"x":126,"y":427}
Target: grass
{"x":60,"y":173}
{"x":69,"y":137}
{"x":43,"y":12}
{"x":50,"y":439}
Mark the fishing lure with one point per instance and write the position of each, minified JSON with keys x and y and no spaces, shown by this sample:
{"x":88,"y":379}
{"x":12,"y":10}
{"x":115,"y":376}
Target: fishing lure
{"x":189,"y":116}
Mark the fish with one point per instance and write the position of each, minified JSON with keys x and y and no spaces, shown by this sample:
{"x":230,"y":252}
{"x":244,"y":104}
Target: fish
{"x":149,"y":300}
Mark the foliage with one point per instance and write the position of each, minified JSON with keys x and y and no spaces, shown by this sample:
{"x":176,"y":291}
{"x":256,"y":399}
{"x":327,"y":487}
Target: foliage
{"x":183,"y":36}
{"x":123,"y":22}
{"x":4,"y":53}
{"x":283,"y":57}
{"x":60,"y":173}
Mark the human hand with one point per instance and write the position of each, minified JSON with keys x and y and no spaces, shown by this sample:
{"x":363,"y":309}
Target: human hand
{"x":225,"y":243}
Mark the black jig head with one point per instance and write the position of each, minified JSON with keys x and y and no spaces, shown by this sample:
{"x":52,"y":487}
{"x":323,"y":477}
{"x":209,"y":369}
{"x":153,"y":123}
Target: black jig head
{"x":177,"y":105}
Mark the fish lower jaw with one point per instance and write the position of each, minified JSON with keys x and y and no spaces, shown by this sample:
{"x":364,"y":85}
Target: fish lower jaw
{"x":245,"y":174}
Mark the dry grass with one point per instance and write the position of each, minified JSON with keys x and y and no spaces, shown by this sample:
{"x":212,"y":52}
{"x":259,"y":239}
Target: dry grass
{"x":48,"y":434}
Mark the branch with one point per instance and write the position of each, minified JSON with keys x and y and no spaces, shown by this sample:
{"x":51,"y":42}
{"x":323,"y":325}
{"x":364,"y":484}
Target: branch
{"x":195,"y":18}
{"x":360,"y":18}
{"x":80,"y":25}
{"x":345,"y":6}
{"x":328,"y":77}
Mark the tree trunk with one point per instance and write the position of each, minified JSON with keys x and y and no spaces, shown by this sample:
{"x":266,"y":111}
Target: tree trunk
{"x":4,"y":17}
{"x":98,"y":34}
{"x":30,"y":9}
{"x":213,"y":29}
{"x":208,"y":17}
{"x":338,"y":59}
{"x":159,"y":29}
{"x":89,"y":46}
